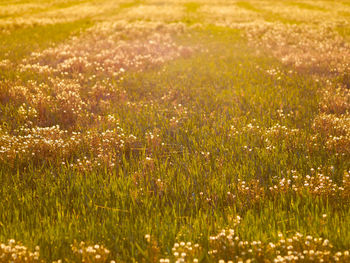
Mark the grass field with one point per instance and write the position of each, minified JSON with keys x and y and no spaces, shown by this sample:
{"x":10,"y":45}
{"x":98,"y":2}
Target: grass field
{"x":174,"y":131}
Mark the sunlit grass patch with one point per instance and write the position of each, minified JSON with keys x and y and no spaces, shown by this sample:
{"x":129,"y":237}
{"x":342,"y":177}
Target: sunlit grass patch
{"x":146,"y":134}
{"x":103,"y":50}
{"x":309,"y":55}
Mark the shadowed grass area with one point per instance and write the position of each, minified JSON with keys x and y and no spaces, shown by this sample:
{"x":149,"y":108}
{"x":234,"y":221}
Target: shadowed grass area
{"x":192,"y":6}
{"x":248,"y":6}
{"x":344,"y":31}
{"x":130,"y":4}
{"x":267,"y":15}
{"x":18,"y":43}
{"x":307,"y":6}
{"x":48,"y":6}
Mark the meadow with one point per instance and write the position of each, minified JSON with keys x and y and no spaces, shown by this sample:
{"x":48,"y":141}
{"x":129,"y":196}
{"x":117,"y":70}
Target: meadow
{"x":174,"y":131}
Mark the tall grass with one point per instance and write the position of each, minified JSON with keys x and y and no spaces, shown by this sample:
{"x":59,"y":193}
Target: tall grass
{"x":215,"y":130}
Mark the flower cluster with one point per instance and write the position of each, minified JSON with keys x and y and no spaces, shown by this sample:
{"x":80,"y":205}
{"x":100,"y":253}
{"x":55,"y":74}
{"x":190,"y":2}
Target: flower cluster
{"x":35,"y":144}
{"x":227,"y":246}
{"x":90,"y":253}
{"x":103,"y":50}
{"x":75,"y":96}
{"x":335,"y":131}
{"x":335,"y":100}
{"x":15,"y":252}
{"x":321,"y":51}
{"x":184,"y":252}
{"x":250,"y":192}
{"x":52,"y":144}
{"x":317,"y":183}
{"x":270,"y":137}
{"x":313,"y":49}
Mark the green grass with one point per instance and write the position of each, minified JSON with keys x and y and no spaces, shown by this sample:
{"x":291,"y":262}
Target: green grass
{"x":192,"y":6}
{"x":20,"y":42}
{"x":267,"y":15}
{"x":307,"y":6}
{"x":344,"y":31}
{"x":54,"y":5}
{"x":51,"y":206}
{"x":130,"y":4}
